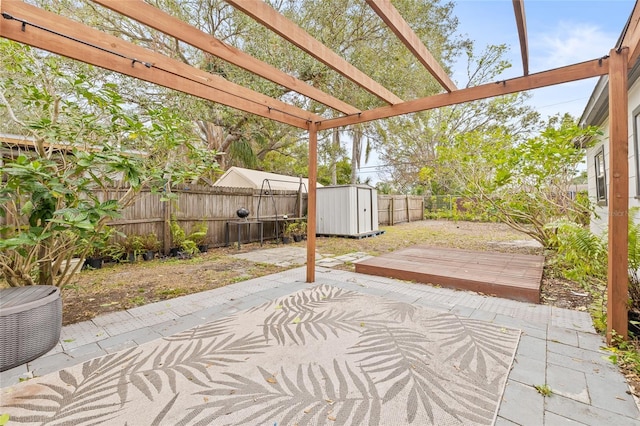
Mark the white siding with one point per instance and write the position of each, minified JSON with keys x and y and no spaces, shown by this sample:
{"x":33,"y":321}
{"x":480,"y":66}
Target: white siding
{"x":599,"y":223}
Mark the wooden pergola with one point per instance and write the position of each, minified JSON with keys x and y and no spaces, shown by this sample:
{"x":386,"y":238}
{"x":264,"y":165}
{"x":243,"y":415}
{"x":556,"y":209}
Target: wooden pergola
{"x":51,"y":32}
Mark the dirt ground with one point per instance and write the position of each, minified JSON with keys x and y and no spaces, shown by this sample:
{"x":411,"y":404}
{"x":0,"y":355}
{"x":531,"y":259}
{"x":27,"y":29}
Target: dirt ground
{"x":123,"y":286}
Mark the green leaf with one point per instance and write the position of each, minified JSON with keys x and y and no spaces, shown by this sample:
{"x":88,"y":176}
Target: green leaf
{"x":15,"y":242}
{"x":27,"y":208}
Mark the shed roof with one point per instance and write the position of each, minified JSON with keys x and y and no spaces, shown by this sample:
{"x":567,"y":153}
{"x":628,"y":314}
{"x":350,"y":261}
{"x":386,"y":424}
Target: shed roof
{"x":238,"y":177}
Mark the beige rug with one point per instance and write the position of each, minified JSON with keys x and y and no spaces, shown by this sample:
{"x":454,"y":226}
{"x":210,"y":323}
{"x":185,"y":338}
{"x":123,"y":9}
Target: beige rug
{"x":320,"y":356}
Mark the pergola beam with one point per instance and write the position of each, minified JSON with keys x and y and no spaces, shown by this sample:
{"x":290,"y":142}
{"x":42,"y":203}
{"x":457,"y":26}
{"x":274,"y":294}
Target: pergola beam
{"x":174,"y":27}
{"x":269,"y":17}
{"x":521,"y":23}
{"x":566,"y":74}
{"x":410,"y":39}
{"x":117,"y":55}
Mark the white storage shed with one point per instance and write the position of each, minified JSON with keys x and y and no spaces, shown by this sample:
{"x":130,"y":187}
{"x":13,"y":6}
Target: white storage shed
{"x":347,"y":210}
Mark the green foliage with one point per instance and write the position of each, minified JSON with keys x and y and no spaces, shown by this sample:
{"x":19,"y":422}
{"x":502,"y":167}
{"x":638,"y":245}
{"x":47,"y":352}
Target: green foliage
{"x":295,"y":228}
{"x":410,"y":146}
{"x":624,"y":353}
{"x":544,"y":390}
{"x":198,"y":233}
{"x":151,"y":242}
{"x":634,"y":260}
{"x":582,"y":255}
{"x":178,"y":235}
{"x":189,"y":247}
{"x":133,"y":244}
{"x":343,"y":173}
{"x":114,"y":251}
{"x":52,"y":195}
{"x":524,"y":184}
{"x":183,"y":242}
{"x":53,"y":211}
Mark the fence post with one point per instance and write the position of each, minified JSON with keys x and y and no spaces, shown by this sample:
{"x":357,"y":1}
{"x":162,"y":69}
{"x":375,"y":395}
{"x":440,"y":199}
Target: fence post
{"x":392,"y":212}
{"x":166,"y":228}
{"x":408,"y":212}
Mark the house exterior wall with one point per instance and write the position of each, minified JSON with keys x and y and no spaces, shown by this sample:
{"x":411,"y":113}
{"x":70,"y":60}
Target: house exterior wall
{"x":599,"y":222}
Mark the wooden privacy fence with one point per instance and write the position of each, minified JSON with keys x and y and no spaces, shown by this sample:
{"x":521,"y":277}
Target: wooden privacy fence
{"x":214,"y":206}
{"x":394,"y":209}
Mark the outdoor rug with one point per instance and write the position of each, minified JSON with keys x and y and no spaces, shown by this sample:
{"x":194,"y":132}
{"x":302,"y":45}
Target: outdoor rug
{"x":319,"y":356}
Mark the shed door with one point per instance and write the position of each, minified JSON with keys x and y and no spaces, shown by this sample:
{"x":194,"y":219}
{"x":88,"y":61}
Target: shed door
{"x":364,"y":210}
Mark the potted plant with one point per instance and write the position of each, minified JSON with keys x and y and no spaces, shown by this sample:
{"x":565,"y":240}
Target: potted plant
{"x":133,"y":245}
{"x":199,"y":235}
{"x":114,"y":251}
{"x":287,"y":233}
{"x":181,"y":243}
{"x":94,"y":258}
{"x":178,"y":236}
{"x":151,"y":245}
{"x":300,"y":231}
{"x":95,"y":250}
{"x":189,"y":248}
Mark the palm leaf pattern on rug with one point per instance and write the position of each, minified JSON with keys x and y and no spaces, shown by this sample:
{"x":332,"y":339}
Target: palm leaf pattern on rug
{"x":400,"y":311}
{"x":283,"y":324}
{"x":311,"y":395}
{"x":313,"y":298}
{"x":402,"y":356}
{"x":299,"y":316}
{"x":210,"y":329}
{"x":192,"y":361}
{"x":320,"y":356}
{"x":109,"y":377}
{"x":100,"y":379}
{"x":472,"y":341}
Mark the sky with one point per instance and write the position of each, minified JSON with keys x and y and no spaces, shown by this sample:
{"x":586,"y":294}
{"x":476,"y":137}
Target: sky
{"x":559,"y":33}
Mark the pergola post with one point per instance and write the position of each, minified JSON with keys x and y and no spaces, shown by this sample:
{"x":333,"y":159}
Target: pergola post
{"x":311,"y":202}
{"x":617,"y":277}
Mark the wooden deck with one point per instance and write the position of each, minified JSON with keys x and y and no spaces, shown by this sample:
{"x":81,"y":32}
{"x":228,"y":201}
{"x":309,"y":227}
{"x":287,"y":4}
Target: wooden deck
{"x":512,"y":276}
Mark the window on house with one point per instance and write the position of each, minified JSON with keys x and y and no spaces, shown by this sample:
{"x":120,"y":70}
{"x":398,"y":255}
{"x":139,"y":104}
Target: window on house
{"x":601,"y":178}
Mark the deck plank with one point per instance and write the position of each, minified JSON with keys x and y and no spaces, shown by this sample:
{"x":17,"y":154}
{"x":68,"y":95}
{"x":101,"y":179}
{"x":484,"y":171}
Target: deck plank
{"x":512,"y":276}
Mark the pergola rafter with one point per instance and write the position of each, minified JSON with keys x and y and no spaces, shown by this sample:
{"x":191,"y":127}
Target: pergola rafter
{"x":36,"y":27}
{"x":521,"y":23}
{"x":115,"y":54}
{"x":163,"y":22}
{"x":409,"y":38}
{"x":279,"y":24}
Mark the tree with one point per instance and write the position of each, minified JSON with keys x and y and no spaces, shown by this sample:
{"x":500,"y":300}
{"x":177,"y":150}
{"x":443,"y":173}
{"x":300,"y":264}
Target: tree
{"x":407,"y":144}
{"x":351,"y":29}
{"x":524,"y":184}
{"x":84,"y":137}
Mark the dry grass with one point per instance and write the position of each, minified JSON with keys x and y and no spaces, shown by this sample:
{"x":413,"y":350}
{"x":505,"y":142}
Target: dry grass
{"x":466,"y":235}
{"x":123,"y":286}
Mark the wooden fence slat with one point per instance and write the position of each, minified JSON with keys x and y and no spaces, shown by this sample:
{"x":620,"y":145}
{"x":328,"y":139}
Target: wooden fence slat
{"x":216,"y":205}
